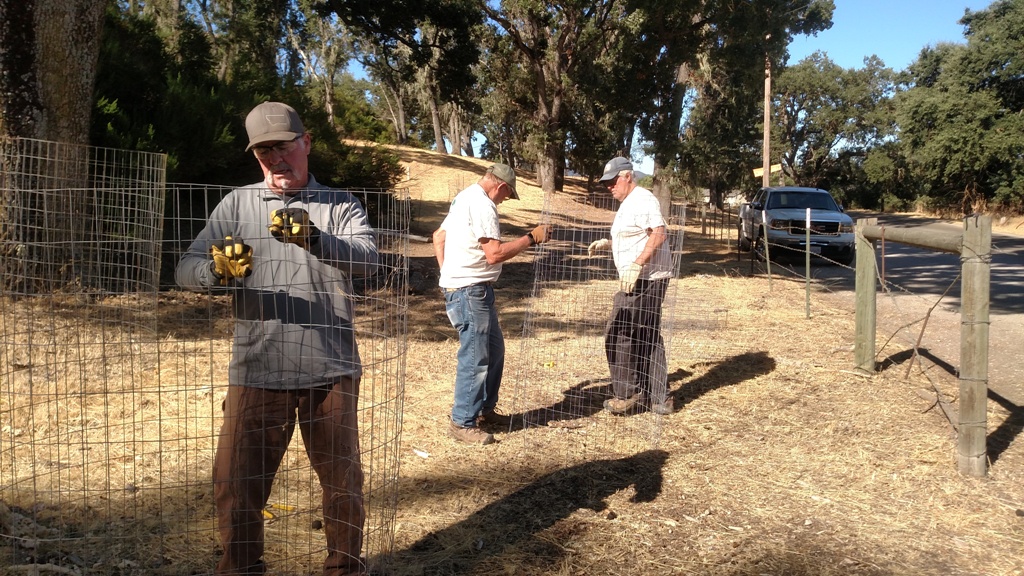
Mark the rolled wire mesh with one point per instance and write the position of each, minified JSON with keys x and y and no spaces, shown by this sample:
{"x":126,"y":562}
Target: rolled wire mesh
{"x":294,"y":537}
{"x":79,"y":250}
{"x":112,"y":380}
{"x":563,"y":375}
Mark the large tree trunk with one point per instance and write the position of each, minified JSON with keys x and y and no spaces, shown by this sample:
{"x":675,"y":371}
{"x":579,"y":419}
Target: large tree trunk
{"x":551,"y":158}
{"x":546,"y":170}
{"x":430,"y":94}
{"x":435,"y":117}
{"x":21,"y":108}
{"x":666,"y":145}
{"x":48,"y":57}
{"x":455,"y":128}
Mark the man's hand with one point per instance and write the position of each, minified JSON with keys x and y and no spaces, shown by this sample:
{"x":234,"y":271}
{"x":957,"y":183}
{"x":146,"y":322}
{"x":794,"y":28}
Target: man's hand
{"x":292,"y":226}
{"x":599,"y":246}
{"x":232,"y":258}
{"x":539,"y":235}
{"x":629,"y":277}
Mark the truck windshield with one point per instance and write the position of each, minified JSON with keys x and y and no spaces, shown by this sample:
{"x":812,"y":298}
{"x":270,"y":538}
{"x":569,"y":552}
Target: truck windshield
{"x":812,"y":200}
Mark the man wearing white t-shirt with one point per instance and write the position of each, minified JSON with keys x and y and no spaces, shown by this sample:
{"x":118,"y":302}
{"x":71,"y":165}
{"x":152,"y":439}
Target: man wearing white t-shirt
{"x":469,"y":251}
{"x":640,"y":248}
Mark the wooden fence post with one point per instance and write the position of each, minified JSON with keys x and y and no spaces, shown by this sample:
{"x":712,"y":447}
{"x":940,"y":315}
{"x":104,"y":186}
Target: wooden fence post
{"x":866,"y":288}
{"x":975,"y":257}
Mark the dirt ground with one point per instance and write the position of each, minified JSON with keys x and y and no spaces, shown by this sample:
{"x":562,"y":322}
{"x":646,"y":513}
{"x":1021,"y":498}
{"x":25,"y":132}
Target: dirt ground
{"x":779,"y":458}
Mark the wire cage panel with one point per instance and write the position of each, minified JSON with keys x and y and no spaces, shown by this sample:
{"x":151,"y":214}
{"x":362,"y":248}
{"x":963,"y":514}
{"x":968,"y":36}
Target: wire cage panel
{"x":113,"y":382}
{"x":563,"y":377}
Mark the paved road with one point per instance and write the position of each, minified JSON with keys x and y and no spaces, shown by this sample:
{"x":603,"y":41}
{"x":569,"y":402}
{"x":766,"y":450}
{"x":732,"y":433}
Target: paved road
{"x":924,"y":272}
{"x":919,"y":277}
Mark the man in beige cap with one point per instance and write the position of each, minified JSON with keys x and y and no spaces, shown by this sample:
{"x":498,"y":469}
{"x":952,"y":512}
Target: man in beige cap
{"x":469,"y":251}
{"x":286,"y":249}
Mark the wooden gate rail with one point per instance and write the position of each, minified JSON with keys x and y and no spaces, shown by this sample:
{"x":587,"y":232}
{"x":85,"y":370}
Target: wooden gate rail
{"x":974,"y":245}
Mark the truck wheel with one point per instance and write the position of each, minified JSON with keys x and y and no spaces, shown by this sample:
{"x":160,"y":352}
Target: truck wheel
{"x":758,"y":244}
{"x":744,"y":242}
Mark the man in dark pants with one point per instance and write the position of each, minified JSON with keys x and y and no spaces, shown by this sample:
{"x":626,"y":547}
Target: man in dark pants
{"x":286,"y":249}
{"x":633,"y":341}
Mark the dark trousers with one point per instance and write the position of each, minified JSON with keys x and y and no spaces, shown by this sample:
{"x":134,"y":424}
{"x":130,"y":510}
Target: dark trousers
{"x":633,"y":342}
{"x":258,"y":426}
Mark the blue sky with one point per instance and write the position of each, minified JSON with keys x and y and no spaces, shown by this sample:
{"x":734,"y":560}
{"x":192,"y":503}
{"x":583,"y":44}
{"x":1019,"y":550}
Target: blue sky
{"x":893,"y":30}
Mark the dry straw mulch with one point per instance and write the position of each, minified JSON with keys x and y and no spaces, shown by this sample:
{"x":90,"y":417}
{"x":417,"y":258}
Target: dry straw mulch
{"x":780,"y":460}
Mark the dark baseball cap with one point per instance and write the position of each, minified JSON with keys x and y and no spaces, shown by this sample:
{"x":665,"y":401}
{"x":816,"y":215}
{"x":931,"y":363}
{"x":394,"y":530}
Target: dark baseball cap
{"x":272,"y":122}
{"x":614,"y":166}
{"x":507,"y":175}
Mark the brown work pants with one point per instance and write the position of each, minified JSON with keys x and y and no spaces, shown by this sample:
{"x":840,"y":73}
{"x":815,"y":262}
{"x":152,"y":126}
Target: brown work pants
{"x":258,"y":426}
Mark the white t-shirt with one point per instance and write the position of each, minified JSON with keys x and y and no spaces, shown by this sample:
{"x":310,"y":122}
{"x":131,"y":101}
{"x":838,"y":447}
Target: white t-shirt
{"x":472,"y":216}
{"x":639,"y":212}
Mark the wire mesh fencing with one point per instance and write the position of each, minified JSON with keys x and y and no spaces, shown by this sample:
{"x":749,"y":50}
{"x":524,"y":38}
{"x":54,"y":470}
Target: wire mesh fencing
{"x":564,"y":376}
{"x":295,"y":537}
{"x":113,"y":380}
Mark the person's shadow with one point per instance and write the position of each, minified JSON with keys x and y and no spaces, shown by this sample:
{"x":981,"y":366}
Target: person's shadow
{"x":461,"y":547}
{"x":586,"y":398}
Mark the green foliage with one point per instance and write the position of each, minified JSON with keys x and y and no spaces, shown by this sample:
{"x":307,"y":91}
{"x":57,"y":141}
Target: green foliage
{"x":157,"y":90}
{"x":434,"y":33}
{"x":570,"y":84}
{"x":828,"y":117}
{"x":354,"y":116}
{"x":960,"y":116}
{"x":886,"y":186}
{"x":354,"y":167}
{"x":159,"y":99}
{"x":506,"y":102}
{"x":704,"y":116}
{"x":130,"y":83}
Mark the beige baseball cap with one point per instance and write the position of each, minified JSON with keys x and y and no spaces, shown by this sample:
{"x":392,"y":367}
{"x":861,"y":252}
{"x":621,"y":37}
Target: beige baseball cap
{"x":272,"y":122}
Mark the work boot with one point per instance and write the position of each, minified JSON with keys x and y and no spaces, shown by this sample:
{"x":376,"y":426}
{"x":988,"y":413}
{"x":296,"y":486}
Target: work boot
{"x":494,"y":419}
{"x":623,"y":405}
{"x":663,"y":408}
{"x":472,"y":435}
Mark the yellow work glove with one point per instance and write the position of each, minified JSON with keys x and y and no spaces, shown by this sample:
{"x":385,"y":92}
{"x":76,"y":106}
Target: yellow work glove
{"x":539,"y":235}
{"x":232,"y":258}
{"x":630,"y":274}
{"x":599,"y":246}
{"x":292,"y":226}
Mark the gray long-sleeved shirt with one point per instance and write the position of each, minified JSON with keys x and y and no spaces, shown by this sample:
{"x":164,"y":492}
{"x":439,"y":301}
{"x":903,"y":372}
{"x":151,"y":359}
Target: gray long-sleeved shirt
{"x":293,"y":315}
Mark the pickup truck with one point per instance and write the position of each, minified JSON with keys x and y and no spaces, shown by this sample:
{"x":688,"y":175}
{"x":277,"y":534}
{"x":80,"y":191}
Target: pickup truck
{"x":781,"y":213}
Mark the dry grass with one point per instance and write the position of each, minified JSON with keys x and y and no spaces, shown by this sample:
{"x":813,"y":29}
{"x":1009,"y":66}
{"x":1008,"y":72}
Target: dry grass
{"x":781,"y":461}
{"x":778,"y":460}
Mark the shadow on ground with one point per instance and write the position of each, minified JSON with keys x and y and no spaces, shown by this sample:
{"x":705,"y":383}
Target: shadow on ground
{"x":516,"y":519}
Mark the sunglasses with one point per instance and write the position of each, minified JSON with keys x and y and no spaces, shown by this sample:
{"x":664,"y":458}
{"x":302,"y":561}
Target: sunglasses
{"x":282,"y":148}
{"x":610,"y":183}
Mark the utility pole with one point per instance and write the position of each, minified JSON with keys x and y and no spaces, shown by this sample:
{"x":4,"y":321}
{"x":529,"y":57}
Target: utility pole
{"x":766,"y":163}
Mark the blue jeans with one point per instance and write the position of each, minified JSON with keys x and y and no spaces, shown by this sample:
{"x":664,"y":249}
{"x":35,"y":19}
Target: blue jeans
{"x":481,"y":357}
